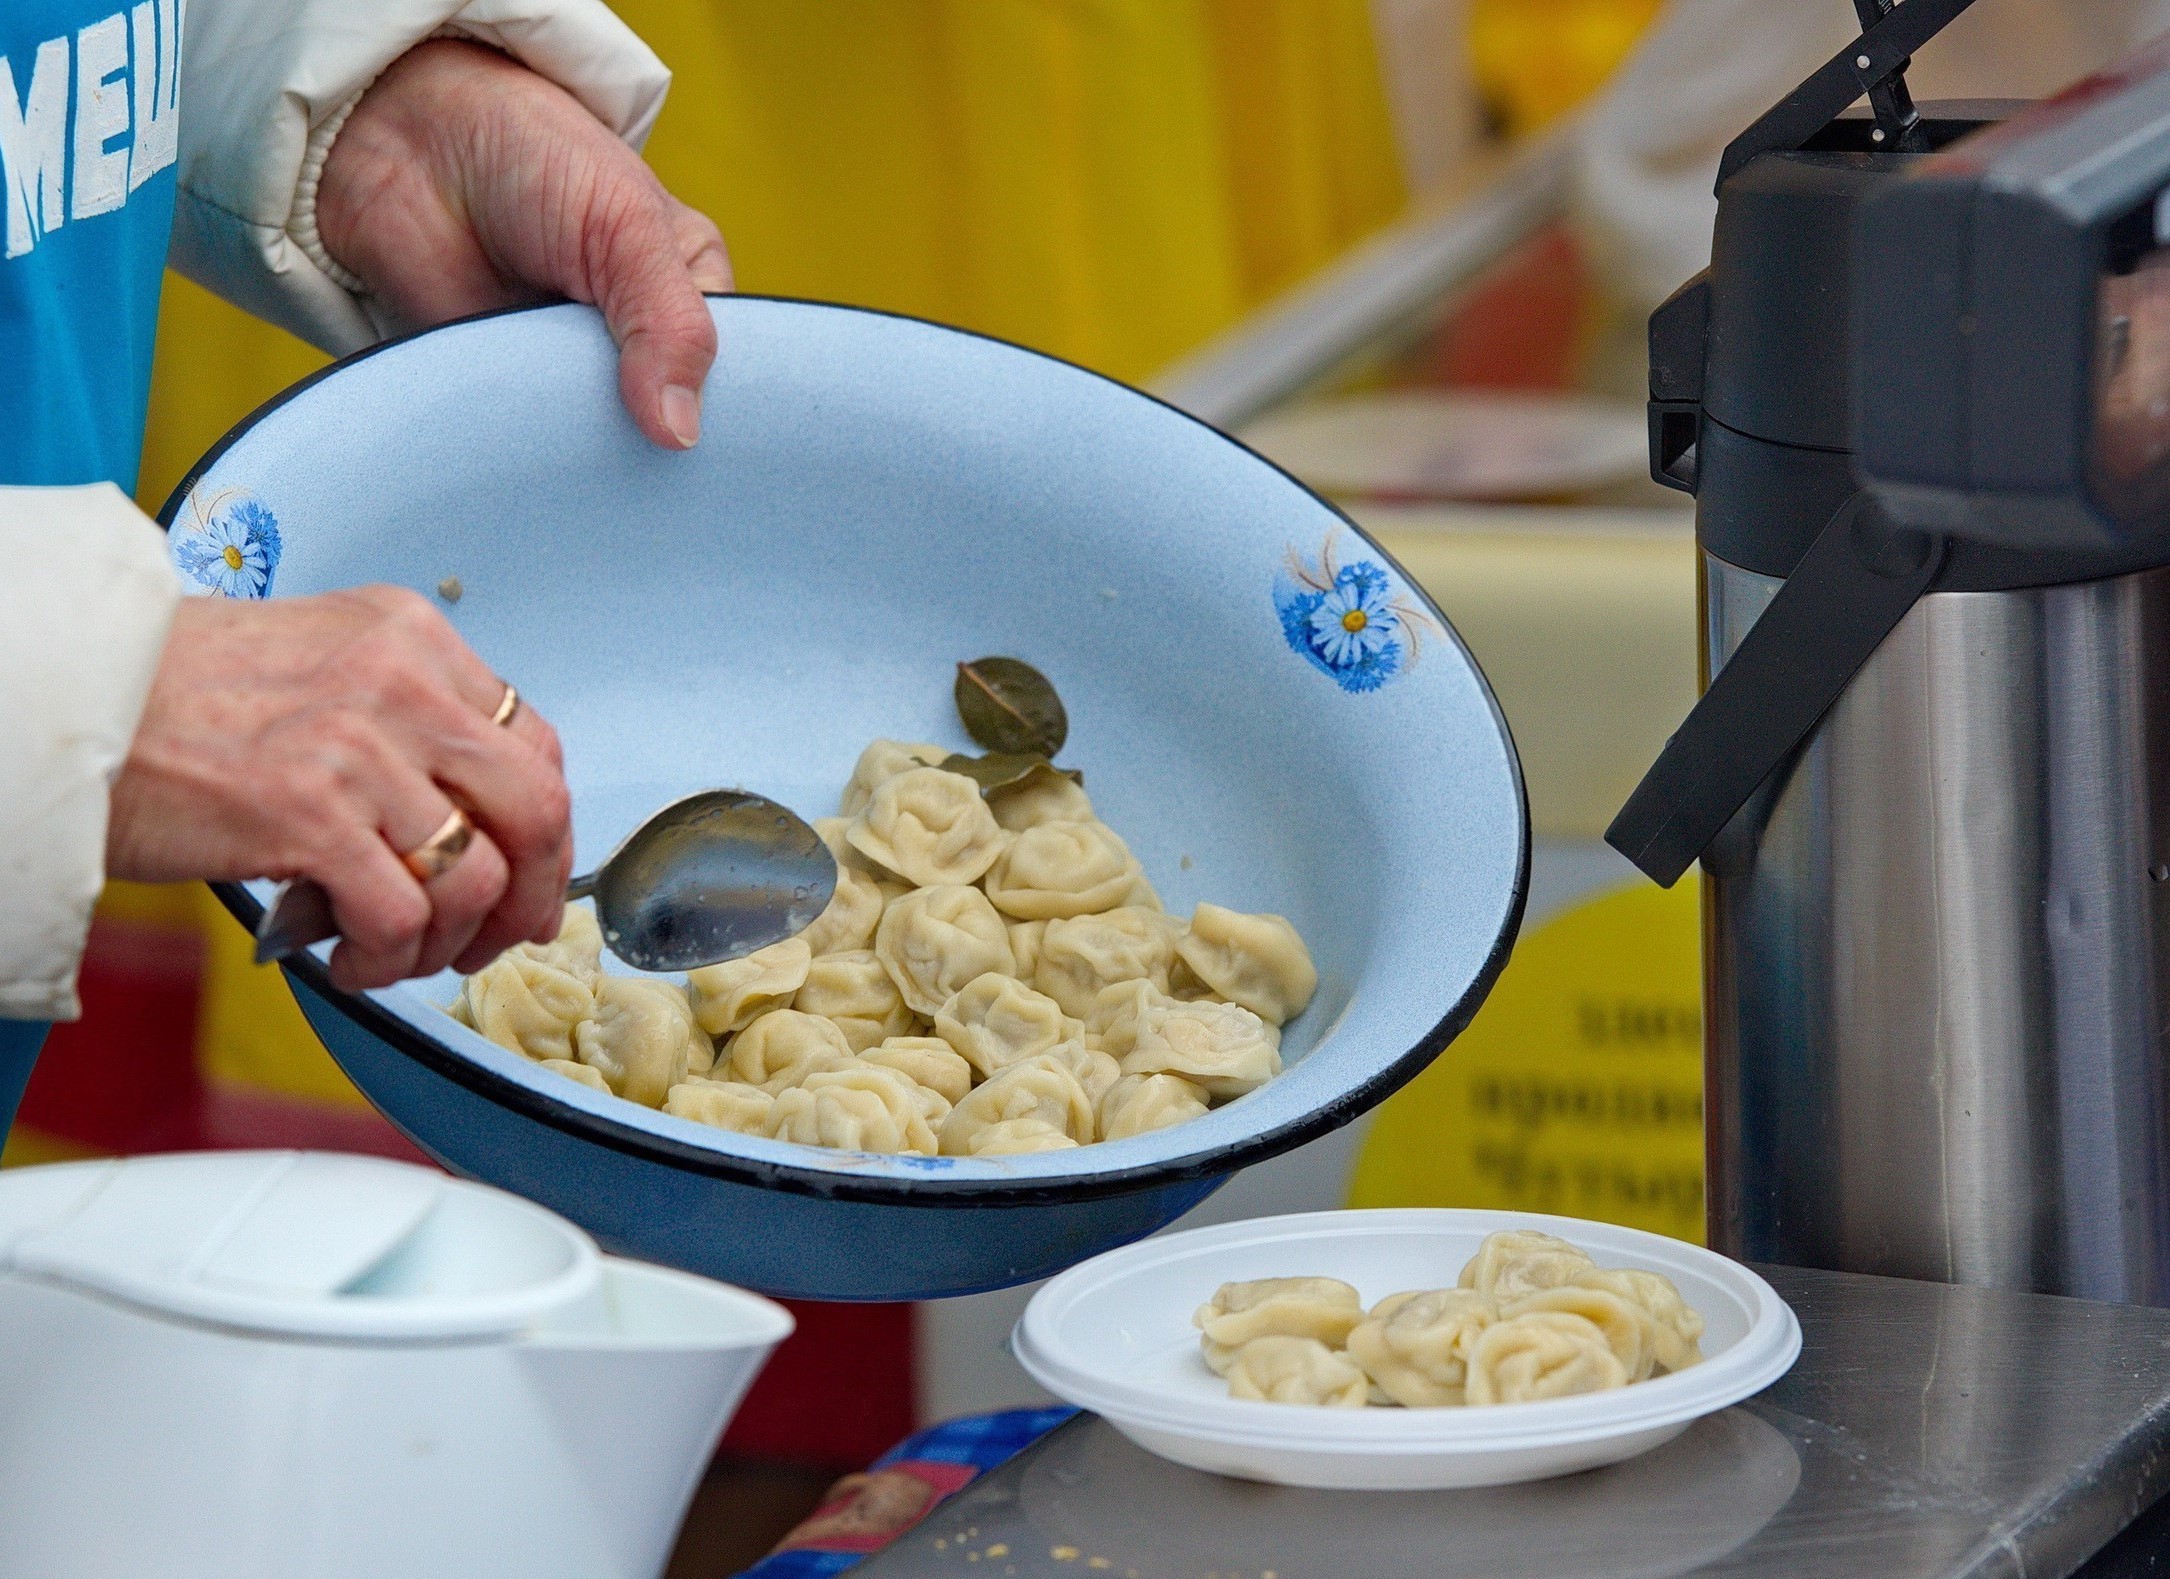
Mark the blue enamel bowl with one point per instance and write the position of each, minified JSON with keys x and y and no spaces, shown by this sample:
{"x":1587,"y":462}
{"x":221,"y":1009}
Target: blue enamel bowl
{"x":873,"y":499}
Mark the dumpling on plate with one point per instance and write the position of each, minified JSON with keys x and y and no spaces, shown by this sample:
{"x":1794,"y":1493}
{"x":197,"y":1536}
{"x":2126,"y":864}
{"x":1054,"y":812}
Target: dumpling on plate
{"x":1056,"y":870}
{"x":1544,"y":1354}
{"x":930,"y":828}
{"x":1283,"y":1370}
{"x":1676,"y":1328}
{"x":1257,"y":961}
{"x":731,"y":996}
{"x":1324,"y":1308}
{"x":1628,"y":1329}
{"x":643,"y":1038}
{"x":1518,"y":1261}
{"x":1415,"y":1347}
{"x":934,"y":941}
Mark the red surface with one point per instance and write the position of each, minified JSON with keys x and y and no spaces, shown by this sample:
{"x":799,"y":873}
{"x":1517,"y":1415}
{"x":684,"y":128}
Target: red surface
{"x":837,"y":1394}
{"x":1520,"y":326}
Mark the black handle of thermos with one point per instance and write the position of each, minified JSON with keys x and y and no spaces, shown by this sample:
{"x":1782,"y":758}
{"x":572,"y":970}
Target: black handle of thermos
{"x":1851,"y":588}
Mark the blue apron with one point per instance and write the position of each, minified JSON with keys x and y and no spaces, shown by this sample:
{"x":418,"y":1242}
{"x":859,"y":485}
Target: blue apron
{"x":89,"y":114}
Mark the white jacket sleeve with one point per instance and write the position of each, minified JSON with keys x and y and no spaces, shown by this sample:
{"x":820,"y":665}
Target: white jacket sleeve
{"x":265,"y":86}
{"x":80,"y":634}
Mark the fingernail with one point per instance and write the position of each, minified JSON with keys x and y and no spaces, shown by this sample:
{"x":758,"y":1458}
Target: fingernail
{"x":682,"y":415}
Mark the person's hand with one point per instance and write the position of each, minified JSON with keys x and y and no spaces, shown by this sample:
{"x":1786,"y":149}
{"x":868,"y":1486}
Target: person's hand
{"x":321,"y":737}
{"x":464,"y":182}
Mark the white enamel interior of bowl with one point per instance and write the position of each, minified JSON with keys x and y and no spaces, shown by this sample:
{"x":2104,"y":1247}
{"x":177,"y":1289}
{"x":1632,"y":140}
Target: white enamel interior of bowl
{"x":872,"y":500}
{"x":1115,"y":1335}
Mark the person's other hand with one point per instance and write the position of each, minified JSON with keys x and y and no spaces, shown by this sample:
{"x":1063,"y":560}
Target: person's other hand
{"x":464,"y":181}
{"x":319,"y":737}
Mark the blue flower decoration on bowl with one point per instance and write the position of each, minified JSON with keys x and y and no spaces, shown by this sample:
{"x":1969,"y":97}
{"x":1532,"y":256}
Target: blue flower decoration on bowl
{"x":1345,"y":619}
{"x":228,"y":546}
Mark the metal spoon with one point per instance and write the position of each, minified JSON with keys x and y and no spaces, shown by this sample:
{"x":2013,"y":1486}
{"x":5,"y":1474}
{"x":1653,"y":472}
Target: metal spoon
{"x":706,"y":879}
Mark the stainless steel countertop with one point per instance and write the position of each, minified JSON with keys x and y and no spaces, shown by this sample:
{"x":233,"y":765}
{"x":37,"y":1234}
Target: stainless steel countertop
{"x":1926,"y":1431}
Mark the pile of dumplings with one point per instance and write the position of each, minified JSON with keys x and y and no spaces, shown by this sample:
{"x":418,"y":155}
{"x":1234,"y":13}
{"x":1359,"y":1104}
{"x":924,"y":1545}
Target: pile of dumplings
{"x":994,"y":976}
{"x":1531,"y":1317}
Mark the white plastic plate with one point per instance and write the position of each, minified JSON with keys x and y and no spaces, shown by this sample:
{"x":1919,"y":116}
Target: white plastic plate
{"x":1114,"y":1335}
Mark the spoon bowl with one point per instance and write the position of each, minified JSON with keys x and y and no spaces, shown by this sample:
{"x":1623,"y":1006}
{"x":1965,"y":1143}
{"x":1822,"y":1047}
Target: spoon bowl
{"x":709,"y":878}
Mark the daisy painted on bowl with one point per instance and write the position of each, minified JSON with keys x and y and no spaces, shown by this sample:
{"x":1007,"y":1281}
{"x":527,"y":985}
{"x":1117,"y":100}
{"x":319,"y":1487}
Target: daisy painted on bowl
{"x":1345,"y":619}
{"x":228,"y":546}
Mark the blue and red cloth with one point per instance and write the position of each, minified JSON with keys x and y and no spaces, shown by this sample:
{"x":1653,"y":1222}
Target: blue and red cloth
{"x":865,"y":1512}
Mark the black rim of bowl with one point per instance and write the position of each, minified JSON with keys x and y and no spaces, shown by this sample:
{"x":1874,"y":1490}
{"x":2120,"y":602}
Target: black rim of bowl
{"x":933,"y":1188}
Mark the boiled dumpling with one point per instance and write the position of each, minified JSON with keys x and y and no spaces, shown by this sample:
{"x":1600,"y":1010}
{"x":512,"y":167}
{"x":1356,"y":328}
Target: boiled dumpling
{"x":1038,"y":1088}
{"x":576,"y":950}
{"x":731,"y":996}
{"x":1056,"y":870}
{"x":1083,"y":954}
{"x":573,"y":1069}
{"x":1545,"y":1354}
{"x":928,"y":1060}
{"x":1116,"y":1013}
{"x":1323,"y":1308}
{"x":642,"y":1038}
{"x":783,"y":1048}
{"x":1283,"y":1370}
{"x":1676,"y":1328}
{"x":994,"y":1021}
{"x":1627,"y":1327}
{"x":1096,"y":1072}
{"x":881,"y":762}
{"x":1025,"y":939}
{"x":1415,"y":1347}
{"x":867,"y":1108}
{"x":930,"y":828}
{"x":849,"y":919}
{"x":1519,"y":1261}
{"x":1257,"y":961}
{"x":1139,"y":1104}
{"x":854,"y":993}
{"x":1044,"y":796}
{"x":722,"y":1104}
{"x":934,"y":941}
{"x":1221,"y":1047}
{"x":1018,"y":1137}
{"x":523,"y":1004}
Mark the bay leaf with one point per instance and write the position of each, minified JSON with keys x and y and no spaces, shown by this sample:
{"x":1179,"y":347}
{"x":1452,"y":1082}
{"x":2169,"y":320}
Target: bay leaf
{"x":1010,"y":708}
{"x":1000,"y":770}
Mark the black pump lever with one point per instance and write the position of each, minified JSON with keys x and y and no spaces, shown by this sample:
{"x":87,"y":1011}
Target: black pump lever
{"x":1871,"y":65}
{"x":1897,"y":121}
{"x":1848,"y":593}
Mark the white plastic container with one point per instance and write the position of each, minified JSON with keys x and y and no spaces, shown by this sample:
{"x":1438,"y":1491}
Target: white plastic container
{"x":263,"y":1365}
{"x":1114,"y":1335}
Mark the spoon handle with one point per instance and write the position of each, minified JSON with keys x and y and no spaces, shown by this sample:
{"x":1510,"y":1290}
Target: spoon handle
{"x":300,"y":913}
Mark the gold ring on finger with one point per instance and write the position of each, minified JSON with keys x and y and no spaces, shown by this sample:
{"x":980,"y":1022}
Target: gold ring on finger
{"x":508,"y":708}
{"x":442,"y":850}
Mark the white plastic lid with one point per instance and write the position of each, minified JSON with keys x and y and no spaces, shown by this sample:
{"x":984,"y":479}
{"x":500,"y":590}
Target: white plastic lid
{"x":309,"y":1244}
